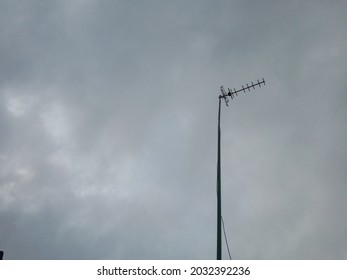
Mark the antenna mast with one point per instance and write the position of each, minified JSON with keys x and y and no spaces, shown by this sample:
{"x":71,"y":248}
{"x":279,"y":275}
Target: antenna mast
{"x":225,"y":96}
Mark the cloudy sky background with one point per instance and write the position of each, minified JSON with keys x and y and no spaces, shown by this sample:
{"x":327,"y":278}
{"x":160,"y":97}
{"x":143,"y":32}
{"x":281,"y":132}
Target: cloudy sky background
{"x":108,"y":129}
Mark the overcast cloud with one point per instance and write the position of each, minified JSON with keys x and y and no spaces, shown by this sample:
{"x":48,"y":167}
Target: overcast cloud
{"x":108,"y":129}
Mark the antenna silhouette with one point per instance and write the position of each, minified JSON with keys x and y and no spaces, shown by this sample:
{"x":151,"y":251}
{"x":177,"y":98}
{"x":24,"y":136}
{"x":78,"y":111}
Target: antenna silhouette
{"x":231,"y":93}
{"x":225,"y":96}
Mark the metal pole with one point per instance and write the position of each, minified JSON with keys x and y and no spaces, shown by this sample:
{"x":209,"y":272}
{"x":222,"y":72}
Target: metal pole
{"x":219,"y":193}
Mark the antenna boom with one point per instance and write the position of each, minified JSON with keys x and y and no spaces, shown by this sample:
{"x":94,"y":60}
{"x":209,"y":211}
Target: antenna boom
{"x":232,"y":92}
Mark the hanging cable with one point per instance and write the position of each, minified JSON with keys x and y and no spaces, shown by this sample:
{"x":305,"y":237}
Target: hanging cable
{"x":226,"y":239}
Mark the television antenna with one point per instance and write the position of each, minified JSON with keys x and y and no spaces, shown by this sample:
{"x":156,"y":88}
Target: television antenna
{"x":225,"y":95}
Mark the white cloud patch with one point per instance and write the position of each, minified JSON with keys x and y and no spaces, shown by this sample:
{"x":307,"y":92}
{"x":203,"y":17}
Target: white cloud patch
{"x":56,"y":122}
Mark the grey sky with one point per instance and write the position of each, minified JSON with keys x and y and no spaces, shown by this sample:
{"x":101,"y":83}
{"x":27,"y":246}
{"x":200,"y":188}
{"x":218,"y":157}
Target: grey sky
{"x":108,"y":129}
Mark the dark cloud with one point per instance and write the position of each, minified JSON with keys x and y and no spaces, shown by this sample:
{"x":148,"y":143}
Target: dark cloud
{"x":108,"y":114}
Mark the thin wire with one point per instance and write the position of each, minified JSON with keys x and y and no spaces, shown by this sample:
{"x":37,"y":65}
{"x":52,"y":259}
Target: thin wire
{"x":226,"y":239}
{"x":225,"y":236}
